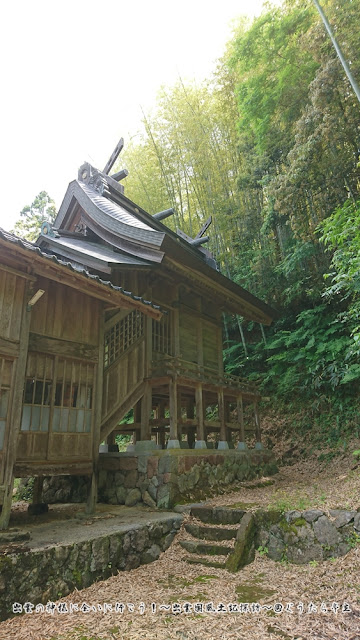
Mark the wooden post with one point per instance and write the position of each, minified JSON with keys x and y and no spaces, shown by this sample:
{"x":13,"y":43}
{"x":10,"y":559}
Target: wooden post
{"x":16,"y":412}
{"x":200,"y":435}
{"x":221,"y":406}
{"x":161,"y":414}
{"x":240,"y":417}
{"x":146,"y":403}
{"x":173,"y":407}
{"x":257,"y":422}
{"x":175,"y":328}
{"x":37,"y":490}
{"x":179,"y":415}
{"x":92,"y":491}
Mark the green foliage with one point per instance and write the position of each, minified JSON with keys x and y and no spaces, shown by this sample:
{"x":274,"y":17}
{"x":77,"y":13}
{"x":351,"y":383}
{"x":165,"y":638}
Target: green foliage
{"x":24,"y":490}
{"x":263,"y":551}
{"x":41,"y":210}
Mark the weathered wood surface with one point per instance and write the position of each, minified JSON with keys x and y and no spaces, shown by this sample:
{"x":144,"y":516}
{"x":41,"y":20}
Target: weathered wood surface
{"x":65,"y":348}
{"x":66,"y":314}
{"x":12,"y":289}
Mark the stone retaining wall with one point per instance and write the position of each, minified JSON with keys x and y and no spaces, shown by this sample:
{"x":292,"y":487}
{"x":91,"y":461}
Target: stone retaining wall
{"x":163,"y":478}
{"x":40,"y":575}
{"x":304,"y":536}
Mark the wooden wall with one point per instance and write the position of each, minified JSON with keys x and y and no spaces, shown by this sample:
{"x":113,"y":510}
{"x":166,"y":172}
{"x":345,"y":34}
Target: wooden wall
{"x":65,"y":313}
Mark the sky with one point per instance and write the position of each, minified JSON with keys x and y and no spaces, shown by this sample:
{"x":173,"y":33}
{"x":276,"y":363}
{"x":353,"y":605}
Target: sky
{"x":75,"y":75}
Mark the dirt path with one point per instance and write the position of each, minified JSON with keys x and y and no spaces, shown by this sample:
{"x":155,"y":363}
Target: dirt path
{"x":314,"y":591}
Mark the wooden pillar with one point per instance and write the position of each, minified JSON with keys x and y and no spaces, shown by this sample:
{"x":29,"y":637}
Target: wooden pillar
{"x":257,"y":422}
{"x":200,"y":434}
{"x":174,"y":323}
{"x":190,"y":429}
{"x":161,"y":414}
{"x":179,"y":416}
{"x":146,"y":404}
{"x":14,"y":420}
{"x":240,"y":417}
{"x":96,"y":424}
{"x":221,"y":406}
{"x":173,"y":408}
{"x":37,"y":490}
{"x":111,"y":438}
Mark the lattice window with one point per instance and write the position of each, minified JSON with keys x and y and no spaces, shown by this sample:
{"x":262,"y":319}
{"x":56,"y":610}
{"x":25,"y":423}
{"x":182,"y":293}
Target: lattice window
{"x":122,"y":336}
{"x":73,"y":401}
{"x":57,"y":392}
{"x":5,"y":383}
{"x":37,"y":394}
{"x":161,"y":335}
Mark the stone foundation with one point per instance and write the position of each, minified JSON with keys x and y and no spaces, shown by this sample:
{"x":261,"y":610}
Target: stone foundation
{"x":163,"y":479}
{"x":44,"y":574}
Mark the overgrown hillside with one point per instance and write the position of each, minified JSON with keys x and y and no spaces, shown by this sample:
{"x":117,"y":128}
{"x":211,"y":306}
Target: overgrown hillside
{"x":269,"y":146}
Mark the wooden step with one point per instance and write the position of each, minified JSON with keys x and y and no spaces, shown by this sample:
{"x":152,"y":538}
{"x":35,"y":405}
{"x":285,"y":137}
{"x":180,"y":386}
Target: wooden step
{"x":210,"y":533}
{"x":218,"y":515}
{"x":205,"y":549}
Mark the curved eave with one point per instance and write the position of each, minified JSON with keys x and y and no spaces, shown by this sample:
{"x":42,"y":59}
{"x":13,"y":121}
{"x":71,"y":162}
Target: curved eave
{"x":111,"y":217}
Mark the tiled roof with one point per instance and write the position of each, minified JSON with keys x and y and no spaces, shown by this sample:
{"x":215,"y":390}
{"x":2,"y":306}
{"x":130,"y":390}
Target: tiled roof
{"x":29,"y":246}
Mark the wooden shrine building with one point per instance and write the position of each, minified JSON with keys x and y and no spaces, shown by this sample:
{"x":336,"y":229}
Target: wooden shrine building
{"x":81,"y":344}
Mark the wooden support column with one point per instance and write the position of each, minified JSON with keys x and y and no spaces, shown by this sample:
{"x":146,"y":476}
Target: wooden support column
{"x":14,"y":420}
{"x":96,"y":424}
{"x":221,"y":406}
{"x":240,"y":417}
{"x":146,"y":404}
{"x":173,"y":408}
{"x":190,"y":429}
{"x":257,"y":422}
{"x":200,"y":435}
{"x":161,"y":433}
{"x":179,"y":415}
{"x":37,"y":490}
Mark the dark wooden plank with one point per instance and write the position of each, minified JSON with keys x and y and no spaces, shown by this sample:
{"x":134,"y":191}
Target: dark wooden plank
{"x":64,"y":348}
{"x":114,"y":156}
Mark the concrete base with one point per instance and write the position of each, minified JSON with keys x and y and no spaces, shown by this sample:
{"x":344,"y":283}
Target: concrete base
{"x":130,"y":447}
{"x":173,"y":444}
{"x":222,"y":445}
{"x":259,"y":446}
{"x":103,"y":448}
{"x":242,"y":446}
{"x":145,"y":445}
{"x":200,"y":444}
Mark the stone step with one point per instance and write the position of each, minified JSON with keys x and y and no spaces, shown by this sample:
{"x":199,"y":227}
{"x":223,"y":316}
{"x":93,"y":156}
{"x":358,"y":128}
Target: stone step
{"x":205,"y":562}
{"x":205,"y":549}
{"x":210,"y":533}
{"x":218,"y":515}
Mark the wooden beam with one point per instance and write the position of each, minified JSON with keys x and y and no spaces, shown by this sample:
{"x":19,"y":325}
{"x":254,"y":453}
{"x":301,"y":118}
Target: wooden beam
{"x":112,"y":420}
{"x":114,"y":156}
{"x":16,"y":272}
{"x":9,"y":347}
{"x":63,"y":348}
{"x":204,"y":228}
{"x":54,"y":468}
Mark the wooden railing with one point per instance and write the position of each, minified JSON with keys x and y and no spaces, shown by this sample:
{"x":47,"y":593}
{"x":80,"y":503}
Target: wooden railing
{"x":170,"y":366}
